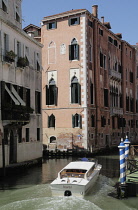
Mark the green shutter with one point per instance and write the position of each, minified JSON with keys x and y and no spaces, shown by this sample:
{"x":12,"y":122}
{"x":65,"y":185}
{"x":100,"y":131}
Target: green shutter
{"x":47,"y":95}
{"x":69,"y":21}
{"x":70,"y":57}
{"x":80,"y":121}
{"x":77,"y":52}
{"x":48,"y":123}
{"x":55,"y":95}
{"x":73,"y":121}
{"x":79,"y":93}
{"x":47,"y":26}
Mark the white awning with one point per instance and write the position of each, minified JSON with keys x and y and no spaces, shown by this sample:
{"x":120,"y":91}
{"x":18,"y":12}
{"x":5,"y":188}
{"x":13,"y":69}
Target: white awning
{"x":11,"y":95}
{"x":18,"y":97}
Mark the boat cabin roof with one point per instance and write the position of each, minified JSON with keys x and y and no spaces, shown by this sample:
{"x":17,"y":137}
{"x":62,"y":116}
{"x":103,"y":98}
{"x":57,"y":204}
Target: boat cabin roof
{"x":80,"y":165}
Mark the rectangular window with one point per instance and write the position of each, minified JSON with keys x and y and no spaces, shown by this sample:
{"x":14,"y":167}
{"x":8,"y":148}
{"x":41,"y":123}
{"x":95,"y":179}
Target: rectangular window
{"x":51,"y":95}
{"x":27,"y":134}
{"x":104,"y":61}
{"x":74,"y":21}
{"x":28,"y":97}
{"x":52,"y":25}
{"x":37,"y":102}
{"x":101,"y":59}
{"x":6,"y":43}
{"x":110,"y":39}
{"x":92,"y":121}
{"x":131,"y":77}
{"x":90,"y":23}
{"x":91,"y":93}
{"x":18,"y":49}
{"x":17,"y":14}
{"x":137,"y":72}
{"x":115,"y":43}
{"x":76,"y":121}
{"x":100,"y":31}
{"x":74,"y":52}
{"x":106,"y":97}
{"x":38,"y":134}
{"x":19,"y":135}
{"x":4,"y":5}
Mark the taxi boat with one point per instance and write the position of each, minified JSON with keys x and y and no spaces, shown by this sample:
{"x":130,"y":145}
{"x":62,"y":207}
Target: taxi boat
{"x":76,"y":179}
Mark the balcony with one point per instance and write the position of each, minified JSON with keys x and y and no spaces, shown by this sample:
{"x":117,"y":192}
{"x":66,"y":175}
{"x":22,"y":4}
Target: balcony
{"x":116,"y":111}
{"x":115,"y":75}
{"x":16,"y":113}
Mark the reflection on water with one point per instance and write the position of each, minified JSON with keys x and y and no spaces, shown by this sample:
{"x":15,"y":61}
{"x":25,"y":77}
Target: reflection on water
{"x":31,"y":190}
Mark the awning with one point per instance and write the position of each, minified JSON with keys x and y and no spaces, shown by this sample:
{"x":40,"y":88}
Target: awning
{"x":11,"y":95}
{"x":18,"y":97}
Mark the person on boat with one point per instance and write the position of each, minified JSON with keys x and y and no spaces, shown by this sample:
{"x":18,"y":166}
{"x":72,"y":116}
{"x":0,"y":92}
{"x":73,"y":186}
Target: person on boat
{"x":84,"y":159}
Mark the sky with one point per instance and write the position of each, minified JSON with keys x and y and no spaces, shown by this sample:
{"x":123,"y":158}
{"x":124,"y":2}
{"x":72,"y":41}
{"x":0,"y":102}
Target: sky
{"x":122,"y":14}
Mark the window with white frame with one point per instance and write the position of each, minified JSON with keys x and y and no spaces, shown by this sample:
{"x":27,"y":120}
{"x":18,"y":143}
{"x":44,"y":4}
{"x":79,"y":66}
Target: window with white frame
{"x":74,"y":50}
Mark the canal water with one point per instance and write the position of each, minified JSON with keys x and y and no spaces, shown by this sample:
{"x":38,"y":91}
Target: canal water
{"x":31,"y":189}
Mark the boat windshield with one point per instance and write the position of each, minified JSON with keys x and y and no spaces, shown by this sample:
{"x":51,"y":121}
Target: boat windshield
{"x":72,"y":173}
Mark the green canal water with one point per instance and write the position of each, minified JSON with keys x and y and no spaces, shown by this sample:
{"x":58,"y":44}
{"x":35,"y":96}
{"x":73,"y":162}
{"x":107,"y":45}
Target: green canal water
{"x":31,"y":190}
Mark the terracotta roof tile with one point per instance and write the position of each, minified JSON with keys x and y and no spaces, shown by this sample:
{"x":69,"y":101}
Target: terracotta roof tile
{"x":65,"y":13}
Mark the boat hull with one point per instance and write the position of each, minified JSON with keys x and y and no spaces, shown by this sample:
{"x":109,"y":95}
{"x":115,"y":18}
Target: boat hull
{"x":69,"y":189}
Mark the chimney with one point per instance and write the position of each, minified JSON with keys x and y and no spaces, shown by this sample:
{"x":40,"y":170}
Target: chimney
{"x":95,"y":11}
{"x":102,"y":19}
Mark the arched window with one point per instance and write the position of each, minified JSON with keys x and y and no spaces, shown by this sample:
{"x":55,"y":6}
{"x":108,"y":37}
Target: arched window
{"x":74,"y":50}
{"x":51,"y":93}
{"x":51,"y":121}
{"x":52,"y":139}
{"x":75,"y":91}
{"x":77,"y":120}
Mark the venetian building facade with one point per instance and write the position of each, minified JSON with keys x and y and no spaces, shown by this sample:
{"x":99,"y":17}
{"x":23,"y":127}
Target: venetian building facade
{"x":84,"y":88}
{"x":20,"y":88}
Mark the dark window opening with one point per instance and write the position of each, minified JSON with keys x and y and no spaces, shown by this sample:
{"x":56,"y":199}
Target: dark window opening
{"x":106,"y":97}
{"x":52,"y":25}
{"x":4,"y":7}
{"x":52,"y":139}
{"x":101,"y":32}
{"x":75,"y":91}
{"x":90,"y":23}
{"x":19,"y":135}
{"x":17,"y":17}
{"x":91,"y":93}
{"x":103,"y":121}
{"x":27,"y":134}
{"x":51,"y":93}
{"x":38,"y":134}
{"x":38,"y":102}
{"x":92,"y":121}
{"x":76,"y":121}
{"x":74,"y":21}
{"x":51,"y":121}
{"x":74,"y":50}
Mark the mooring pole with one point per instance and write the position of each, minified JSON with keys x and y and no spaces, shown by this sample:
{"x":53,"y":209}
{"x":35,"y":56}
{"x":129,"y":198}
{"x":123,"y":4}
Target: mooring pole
{"x":3,"y":156}
{"x":126,"y":142}
{"x":123,"y":188}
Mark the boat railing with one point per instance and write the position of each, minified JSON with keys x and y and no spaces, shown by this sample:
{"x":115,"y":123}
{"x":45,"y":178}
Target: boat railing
{"x":75,"y":174}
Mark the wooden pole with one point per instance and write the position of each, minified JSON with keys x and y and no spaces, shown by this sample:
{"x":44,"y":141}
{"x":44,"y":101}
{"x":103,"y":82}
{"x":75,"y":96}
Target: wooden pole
{"x":3,"y":157}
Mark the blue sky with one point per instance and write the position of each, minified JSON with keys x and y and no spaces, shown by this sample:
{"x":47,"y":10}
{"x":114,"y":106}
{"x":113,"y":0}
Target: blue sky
{"x":122,"y":14}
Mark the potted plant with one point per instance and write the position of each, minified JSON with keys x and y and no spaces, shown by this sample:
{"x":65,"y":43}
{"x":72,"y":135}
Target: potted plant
{"x":22,"y":62}
{"x":10,"y":56}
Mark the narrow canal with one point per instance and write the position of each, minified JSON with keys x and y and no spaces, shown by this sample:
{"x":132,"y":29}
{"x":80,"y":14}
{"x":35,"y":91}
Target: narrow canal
{"x":31,"y":190}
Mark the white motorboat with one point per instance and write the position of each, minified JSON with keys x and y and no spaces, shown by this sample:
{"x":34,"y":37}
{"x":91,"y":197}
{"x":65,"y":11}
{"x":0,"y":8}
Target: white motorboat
{"x":76,"y":179}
